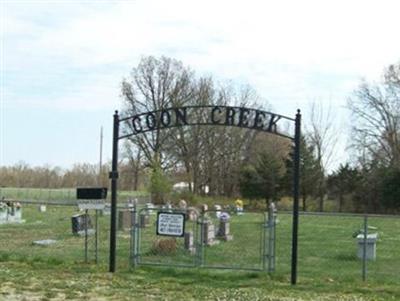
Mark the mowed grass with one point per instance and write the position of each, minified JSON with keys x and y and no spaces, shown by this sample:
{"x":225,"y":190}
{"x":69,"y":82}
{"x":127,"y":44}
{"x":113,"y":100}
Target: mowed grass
{"x":328,"y":267}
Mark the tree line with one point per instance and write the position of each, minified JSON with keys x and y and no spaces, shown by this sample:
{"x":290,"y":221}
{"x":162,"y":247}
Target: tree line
{"x":231,"y":161}
{"x":80,"y":175}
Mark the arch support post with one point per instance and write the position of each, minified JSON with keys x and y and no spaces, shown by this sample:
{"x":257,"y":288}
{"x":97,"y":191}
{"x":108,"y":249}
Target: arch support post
{"x":296,"y":184}
{"x":114,"y":177}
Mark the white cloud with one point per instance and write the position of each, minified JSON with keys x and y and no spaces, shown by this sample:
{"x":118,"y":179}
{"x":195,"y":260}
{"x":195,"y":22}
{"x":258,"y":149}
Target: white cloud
{"x":341,"y":36}
{"x":279,"y":47}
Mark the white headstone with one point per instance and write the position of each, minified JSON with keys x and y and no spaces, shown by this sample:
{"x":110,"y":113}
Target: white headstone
{"x":189,"y":242}
{"x":149,"y":208}
{"x":182,"y":204}
{"x":217,"y":209}
{"x":15,"y":214}
{"x":3,"y":216}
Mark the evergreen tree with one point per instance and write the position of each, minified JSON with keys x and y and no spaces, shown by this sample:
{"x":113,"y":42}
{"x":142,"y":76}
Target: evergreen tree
{"x":310,"y":170}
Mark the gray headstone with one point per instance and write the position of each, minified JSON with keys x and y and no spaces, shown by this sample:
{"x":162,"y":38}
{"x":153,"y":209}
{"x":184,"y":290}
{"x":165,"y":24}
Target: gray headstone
{"x":224,"y":231}
{"x":192,"y":213}
{"x":209,"y":234}
{"x":144,"y":220}
{"x":81,"y":222}
{"x":370,"y":246}
{"x":124,"y":219}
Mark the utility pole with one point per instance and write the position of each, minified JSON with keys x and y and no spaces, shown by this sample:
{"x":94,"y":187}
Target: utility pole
{"x":101,"y":156}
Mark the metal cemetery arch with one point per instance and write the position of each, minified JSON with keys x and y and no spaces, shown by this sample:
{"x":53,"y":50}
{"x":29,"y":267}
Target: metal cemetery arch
{"x":206,"y":115}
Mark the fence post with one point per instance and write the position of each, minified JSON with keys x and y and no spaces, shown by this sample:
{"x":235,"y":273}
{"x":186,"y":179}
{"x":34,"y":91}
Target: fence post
{"x":133,"y":250}
{"x":86,"y":236}
{"x":264,"y":242}
{"x":271,"y":263}
{"x":296,"y":183}
{"x":96,"y":241}
{"x":364,"y":259}
{"x":200,"y":260}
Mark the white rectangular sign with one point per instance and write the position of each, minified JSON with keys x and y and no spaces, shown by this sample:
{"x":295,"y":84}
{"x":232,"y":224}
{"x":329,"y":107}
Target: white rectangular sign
{"x":92,"y":204}
{"x":171,"y":224}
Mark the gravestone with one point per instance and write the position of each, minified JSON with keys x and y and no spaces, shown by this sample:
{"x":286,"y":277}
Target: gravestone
{"x":192,"y":214}
{"x":209,"y":233}
{"x":15,"y":213}
{"x":189,"y":242}
{"x":79,"y":223}
{"x":224,"y":231}
{"x":106,"y":210}
{"x":131,"y":203}
{"x":144,"y":220}
{"x":3,"y":213}
{"x":182,"y":204}
{"x":217,"y":209}
{"x":124,"y":220}
{"x":149,"y":208}
{"x":370,"y":246}
{"x":167,"y":207}
{"x":42,"y":208}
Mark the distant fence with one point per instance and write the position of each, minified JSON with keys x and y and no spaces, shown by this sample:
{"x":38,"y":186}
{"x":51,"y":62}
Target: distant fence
{"x":63,"y":196}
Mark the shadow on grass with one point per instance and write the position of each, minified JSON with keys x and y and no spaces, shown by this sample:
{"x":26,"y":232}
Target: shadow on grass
{"x":186,"y":276}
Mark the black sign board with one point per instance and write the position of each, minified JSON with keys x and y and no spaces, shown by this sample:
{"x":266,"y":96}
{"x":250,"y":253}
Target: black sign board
{"x":91,"y":193}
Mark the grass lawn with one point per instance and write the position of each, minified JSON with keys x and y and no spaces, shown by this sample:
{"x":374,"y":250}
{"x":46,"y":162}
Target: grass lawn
{"x":328,"y":267}
{"x":41,"y":281}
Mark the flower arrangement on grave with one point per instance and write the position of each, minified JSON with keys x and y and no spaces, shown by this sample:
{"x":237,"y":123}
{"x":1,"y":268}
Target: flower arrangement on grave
{"x":224,"y":217}
{"x":224,"y":228}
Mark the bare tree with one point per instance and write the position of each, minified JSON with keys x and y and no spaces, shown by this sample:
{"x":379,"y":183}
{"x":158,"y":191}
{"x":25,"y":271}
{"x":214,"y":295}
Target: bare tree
{"x":155,"y":84}
{"x":323,"y":137}
{"x":376,"y":118}
{"x":133,"y":164}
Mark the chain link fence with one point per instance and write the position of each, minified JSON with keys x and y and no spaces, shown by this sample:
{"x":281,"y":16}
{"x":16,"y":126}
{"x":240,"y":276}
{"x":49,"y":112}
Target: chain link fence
{"x":48,"y":233}
{"x":334,"y":247}
{"x":340,"y":247}
{"x":62,"y":196}
{"x":211,"y":239}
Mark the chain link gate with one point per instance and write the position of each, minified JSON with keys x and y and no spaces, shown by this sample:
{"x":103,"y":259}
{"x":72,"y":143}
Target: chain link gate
{"x":212,"y":239}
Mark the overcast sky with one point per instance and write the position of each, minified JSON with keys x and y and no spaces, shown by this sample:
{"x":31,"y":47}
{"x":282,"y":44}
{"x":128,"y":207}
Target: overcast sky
{"x":62,"y":62}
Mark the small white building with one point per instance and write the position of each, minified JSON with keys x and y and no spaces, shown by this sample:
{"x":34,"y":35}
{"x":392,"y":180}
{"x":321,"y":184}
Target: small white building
{"x":184,"y":186}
